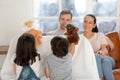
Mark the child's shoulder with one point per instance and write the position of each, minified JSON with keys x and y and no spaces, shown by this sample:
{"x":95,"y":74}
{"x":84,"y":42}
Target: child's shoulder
{"x":49,"y":56}
{"x":68,"y":56}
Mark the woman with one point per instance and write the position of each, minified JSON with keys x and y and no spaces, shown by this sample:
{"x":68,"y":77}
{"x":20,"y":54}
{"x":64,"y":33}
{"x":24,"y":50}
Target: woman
{"x":98,"y":41}
{"x":83,"y":60}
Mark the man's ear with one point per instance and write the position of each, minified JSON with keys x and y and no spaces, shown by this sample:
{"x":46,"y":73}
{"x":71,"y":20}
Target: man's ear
{"x":59,"y":19}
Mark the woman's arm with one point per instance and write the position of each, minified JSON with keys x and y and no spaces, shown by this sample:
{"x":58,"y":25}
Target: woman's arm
{"x":47,"y":72}
{"x":103,"y":45}
{"x":103,"y":51}
{"x":110,"y":44}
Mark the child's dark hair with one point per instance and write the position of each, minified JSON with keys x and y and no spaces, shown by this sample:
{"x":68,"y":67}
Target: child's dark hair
{"x":72,"y":33}
{"x":59,"y":46}
{"x":26,"y":50}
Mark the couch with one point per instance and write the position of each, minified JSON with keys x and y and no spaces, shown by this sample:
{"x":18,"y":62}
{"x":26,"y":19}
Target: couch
{"x":115,"y":53}
{"x":81,"y":68}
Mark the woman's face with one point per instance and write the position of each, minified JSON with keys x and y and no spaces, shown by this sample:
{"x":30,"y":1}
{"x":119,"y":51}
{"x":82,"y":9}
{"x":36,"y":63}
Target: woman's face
{"x":88,"y":24}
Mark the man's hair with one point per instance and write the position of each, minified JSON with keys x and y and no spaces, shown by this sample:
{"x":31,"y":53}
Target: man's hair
{"x":26,"y":50}
{"x":65,"y":12}
{"x":59,"y":46}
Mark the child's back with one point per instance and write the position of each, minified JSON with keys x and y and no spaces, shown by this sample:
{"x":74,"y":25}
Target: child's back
{"x":58,"y":65}
{"x":26,"y":60}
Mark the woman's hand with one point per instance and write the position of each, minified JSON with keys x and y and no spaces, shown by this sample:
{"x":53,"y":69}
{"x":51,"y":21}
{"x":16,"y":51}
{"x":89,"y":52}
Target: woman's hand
{"x":102,"y":54}
{"x":103,"y":51}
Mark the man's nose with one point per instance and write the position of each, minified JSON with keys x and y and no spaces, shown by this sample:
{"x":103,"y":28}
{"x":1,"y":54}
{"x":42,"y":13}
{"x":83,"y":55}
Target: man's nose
{"x":65,"y":21}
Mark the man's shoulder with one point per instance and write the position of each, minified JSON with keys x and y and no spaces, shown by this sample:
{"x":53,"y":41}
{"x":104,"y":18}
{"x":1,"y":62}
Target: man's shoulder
{"x":52,"y":32}
{"x":55,"y":32}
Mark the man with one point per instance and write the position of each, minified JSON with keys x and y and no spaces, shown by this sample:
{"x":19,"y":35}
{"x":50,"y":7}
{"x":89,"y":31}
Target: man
{"x":64,"y":18}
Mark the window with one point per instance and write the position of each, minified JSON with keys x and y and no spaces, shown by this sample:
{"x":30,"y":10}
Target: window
{"x":104,"y":8}
{"x":108,"y":9}
{"x":46,"y":13}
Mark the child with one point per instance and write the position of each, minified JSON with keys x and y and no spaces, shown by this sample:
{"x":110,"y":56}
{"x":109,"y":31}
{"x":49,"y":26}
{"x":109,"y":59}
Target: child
{"x":58,"y":64}
{"x":72,"y":36}
{"x":26,"y":61}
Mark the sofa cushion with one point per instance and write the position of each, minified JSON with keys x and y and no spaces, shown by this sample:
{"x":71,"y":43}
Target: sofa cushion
{"x":116,"y":73}
{"x":115,"y":53}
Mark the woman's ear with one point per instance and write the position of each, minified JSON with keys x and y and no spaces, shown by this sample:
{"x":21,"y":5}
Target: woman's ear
{"x":94,"y":25}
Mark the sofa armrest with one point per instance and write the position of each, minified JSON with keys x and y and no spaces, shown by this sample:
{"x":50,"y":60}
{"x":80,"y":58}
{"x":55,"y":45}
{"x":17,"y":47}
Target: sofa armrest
{"x":114,"y":37}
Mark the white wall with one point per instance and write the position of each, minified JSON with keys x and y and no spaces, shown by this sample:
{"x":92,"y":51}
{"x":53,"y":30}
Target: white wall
{"x":12,"y":15}
{"x":2,"y":58}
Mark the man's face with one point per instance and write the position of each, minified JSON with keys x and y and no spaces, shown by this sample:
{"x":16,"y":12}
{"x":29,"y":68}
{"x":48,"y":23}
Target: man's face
{"x":64,"y":19}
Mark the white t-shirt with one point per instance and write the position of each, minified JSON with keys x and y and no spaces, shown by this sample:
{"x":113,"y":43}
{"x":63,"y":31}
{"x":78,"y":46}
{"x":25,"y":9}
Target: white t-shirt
{"x":97,"y":40}
{"x":83,"y":61}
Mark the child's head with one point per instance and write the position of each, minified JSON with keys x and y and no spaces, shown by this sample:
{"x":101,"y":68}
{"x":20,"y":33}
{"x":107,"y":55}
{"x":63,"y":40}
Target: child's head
{"x":59,"y":46}
{"x":25,"y":50}
{"x":72,"y":33}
